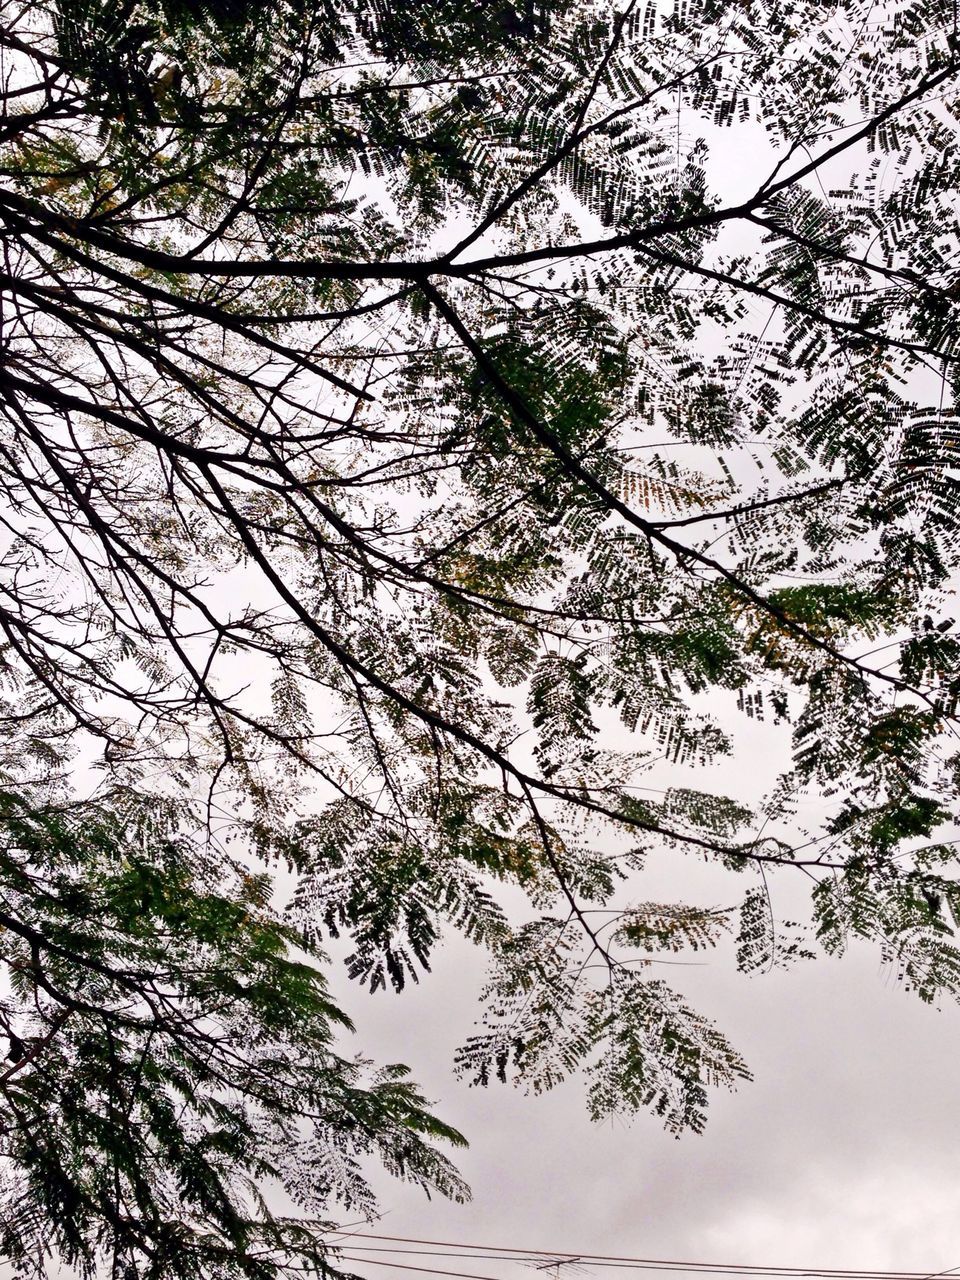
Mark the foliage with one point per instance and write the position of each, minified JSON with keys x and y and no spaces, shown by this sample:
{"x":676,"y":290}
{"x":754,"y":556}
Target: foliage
{"x":170,"y":1059}
{"x":426,"y":457}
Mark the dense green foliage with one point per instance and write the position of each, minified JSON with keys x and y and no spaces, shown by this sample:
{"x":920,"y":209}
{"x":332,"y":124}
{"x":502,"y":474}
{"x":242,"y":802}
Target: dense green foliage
{"x":430,"y":434}
{"x":170,"y":1058}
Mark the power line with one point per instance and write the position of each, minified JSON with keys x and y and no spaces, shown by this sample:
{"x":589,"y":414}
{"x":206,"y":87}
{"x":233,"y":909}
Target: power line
{"x":497,"y":1253}
{"x":530,"y":1257}
{"x":432,"y":1271}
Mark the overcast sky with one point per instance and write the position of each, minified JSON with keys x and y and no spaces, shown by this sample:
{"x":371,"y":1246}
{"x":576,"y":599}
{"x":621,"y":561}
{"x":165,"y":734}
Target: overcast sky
{"x":843,"y":1152}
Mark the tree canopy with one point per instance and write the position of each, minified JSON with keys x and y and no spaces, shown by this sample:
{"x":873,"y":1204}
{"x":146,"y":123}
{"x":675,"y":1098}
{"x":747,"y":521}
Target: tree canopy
{"x":425,"y":426}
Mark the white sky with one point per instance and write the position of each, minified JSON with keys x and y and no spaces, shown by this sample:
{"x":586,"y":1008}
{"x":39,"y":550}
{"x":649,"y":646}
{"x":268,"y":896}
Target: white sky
{"x":843,"y":1152}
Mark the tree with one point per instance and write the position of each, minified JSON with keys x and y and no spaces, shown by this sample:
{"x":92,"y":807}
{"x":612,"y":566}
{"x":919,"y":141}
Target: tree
{"x":393,"y":397}
{"x":170,"y":1058}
